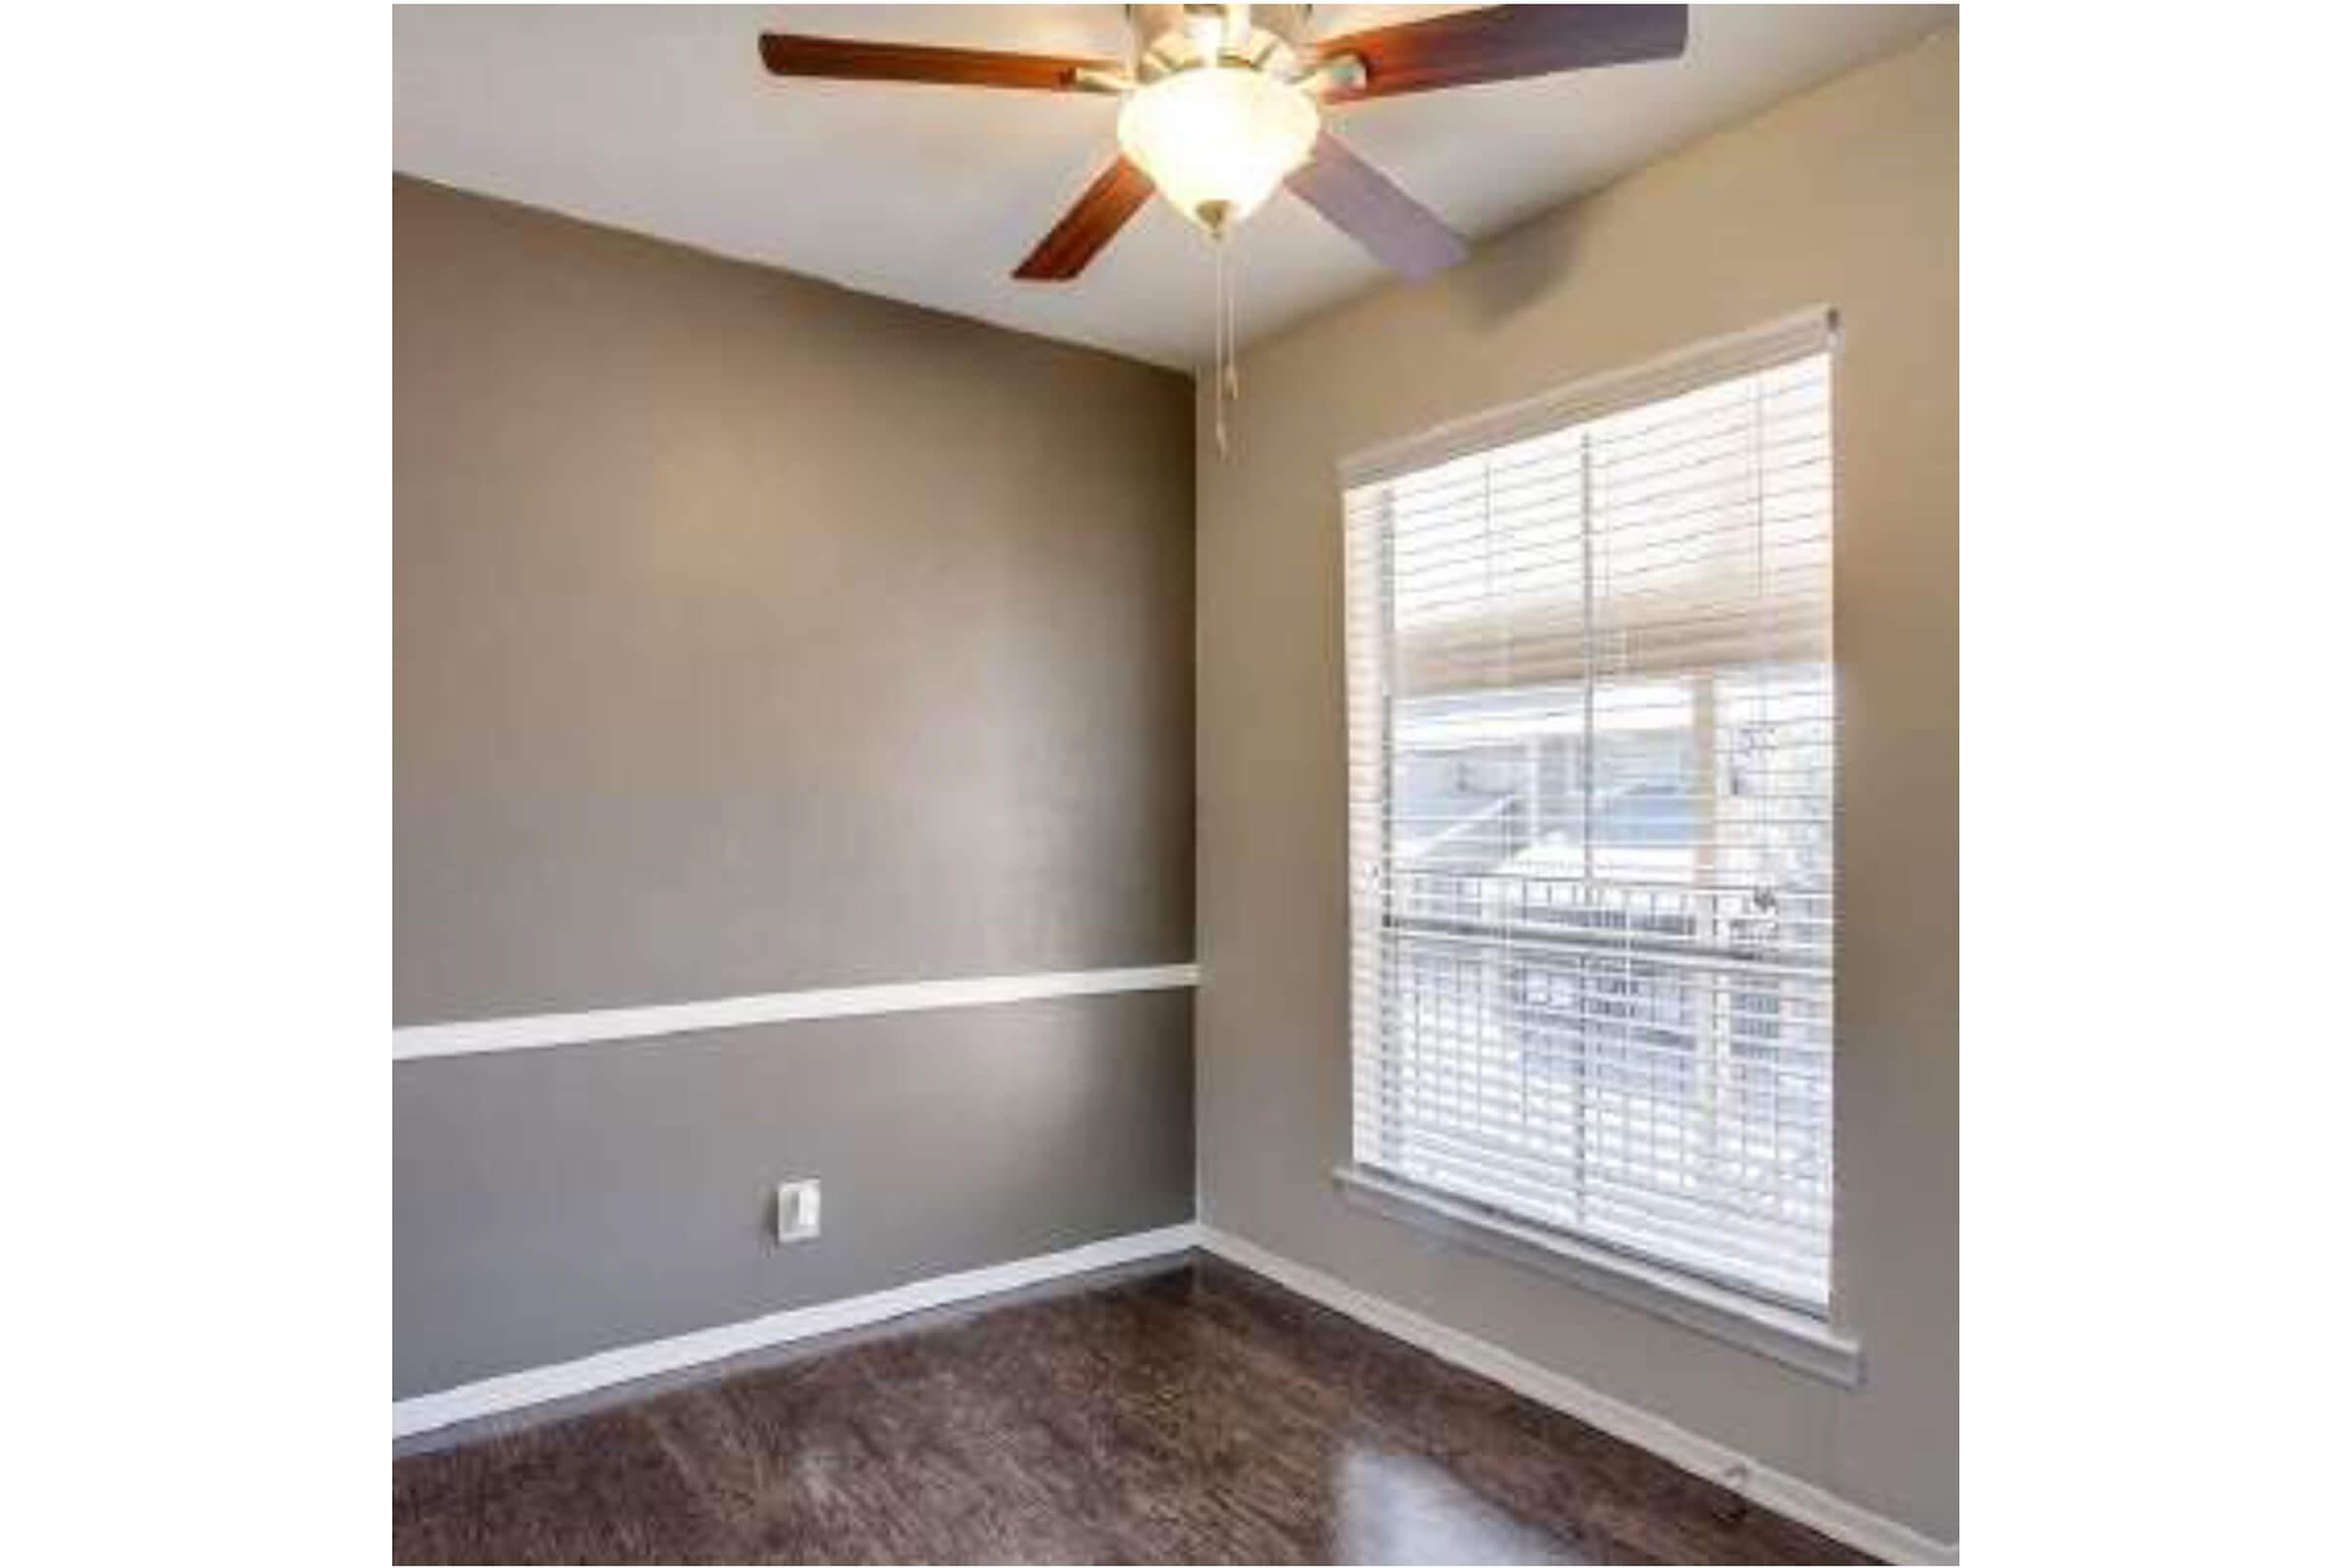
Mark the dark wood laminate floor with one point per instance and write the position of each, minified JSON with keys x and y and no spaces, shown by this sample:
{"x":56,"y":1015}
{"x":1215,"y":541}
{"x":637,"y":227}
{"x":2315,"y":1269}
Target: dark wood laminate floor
{"x":1199,"y":1415}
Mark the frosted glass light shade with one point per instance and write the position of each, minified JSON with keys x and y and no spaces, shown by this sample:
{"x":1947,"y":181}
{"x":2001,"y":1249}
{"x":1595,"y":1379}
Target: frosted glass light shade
{"x":1217,"y":140}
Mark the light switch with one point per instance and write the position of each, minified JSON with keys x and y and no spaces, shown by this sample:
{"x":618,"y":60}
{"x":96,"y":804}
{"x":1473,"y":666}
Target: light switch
{"x":797,"y":1212}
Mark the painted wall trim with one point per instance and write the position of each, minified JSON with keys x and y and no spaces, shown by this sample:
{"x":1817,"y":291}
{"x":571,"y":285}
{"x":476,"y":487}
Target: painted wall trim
{"x":1783,"y":1494}
{"x":515,"y":1390}
{"x":531,"y":1033}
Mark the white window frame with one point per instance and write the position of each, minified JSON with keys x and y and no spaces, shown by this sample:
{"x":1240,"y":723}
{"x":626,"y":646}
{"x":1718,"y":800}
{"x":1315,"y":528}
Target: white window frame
{"x":1812,"y":1341}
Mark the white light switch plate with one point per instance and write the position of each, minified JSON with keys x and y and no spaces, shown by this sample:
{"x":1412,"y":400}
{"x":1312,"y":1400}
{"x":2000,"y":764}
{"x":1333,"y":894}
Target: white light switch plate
{"x":797,"y":1211}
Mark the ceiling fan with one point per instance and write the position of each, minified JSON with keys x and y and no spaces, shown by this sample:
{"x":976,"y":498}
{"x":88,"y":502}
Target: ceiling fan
{"x":1224,"y":104}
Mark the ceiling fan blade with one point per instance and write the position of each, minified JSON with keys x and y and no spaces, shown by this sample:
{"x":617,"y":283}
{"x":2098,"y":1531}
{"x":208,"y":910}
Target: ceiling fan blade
{"x":1401,"y":235}
{"x":1112,"y":199}
{"x":1496,"y":43}
{"x":789,"y":54}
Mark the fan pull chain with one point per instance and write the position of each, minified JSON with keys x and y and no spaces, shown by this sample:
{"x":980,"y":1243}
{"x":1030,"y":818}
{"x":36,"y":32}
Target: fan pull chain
{"x":1226,"y":370}
{"x":1233,"y":337}
{"x":1216,"y":370}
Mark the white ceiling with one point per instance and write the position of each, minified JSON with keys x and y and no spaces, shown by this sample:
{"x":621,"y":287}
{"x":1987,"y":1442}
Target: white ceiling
{"x":659,"y":119}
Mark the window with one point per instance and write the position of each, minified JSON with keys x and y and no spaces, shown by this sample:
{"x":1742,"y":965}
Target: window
{"x":1592,"y":763}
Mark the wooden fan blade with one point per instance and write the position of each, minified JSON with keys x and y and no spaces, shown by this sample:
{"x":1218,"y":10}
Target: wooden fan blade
{"x":1403,"y":235}
{"x":1496,"y":43}
{"x":1112,"y":199}
{"x":851,"y":60}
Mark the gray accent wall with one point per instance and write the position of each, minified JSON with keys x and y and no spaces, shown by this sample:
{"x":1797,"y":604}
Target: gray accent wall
{"x":555,"y":1202}
{"x":753,"y":635}
{"x":1844,"y":196}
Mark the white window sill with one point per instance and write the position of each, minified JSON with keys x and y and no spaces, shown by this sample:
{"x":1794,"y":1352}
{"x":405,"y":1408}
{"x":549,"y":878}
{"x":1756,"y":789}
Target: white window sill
{"x":1786,"y":1336}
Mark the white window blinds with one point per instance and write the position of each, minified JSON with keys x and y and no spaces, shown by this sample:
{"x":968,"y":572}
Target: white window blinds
{"x":1592,"y":764}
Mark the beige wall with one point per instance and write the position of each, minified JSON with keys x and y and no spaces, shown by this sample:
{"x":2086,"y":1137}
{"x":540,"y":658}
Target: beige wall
{"x":1846,"y":196}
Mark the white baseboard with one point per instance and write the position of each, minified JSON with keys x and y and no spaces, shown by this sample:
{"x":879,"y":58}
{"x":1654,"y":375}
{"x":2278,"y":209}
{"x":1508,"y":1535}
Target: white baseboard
{"x":515,"y":1391}
{"x":1783,"y":1494}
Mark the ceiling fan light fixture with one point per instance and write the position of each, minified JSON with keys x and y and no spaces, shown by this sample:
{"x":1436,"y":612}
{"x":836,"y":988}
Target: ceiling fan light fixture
{"x":1218,"y":140}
